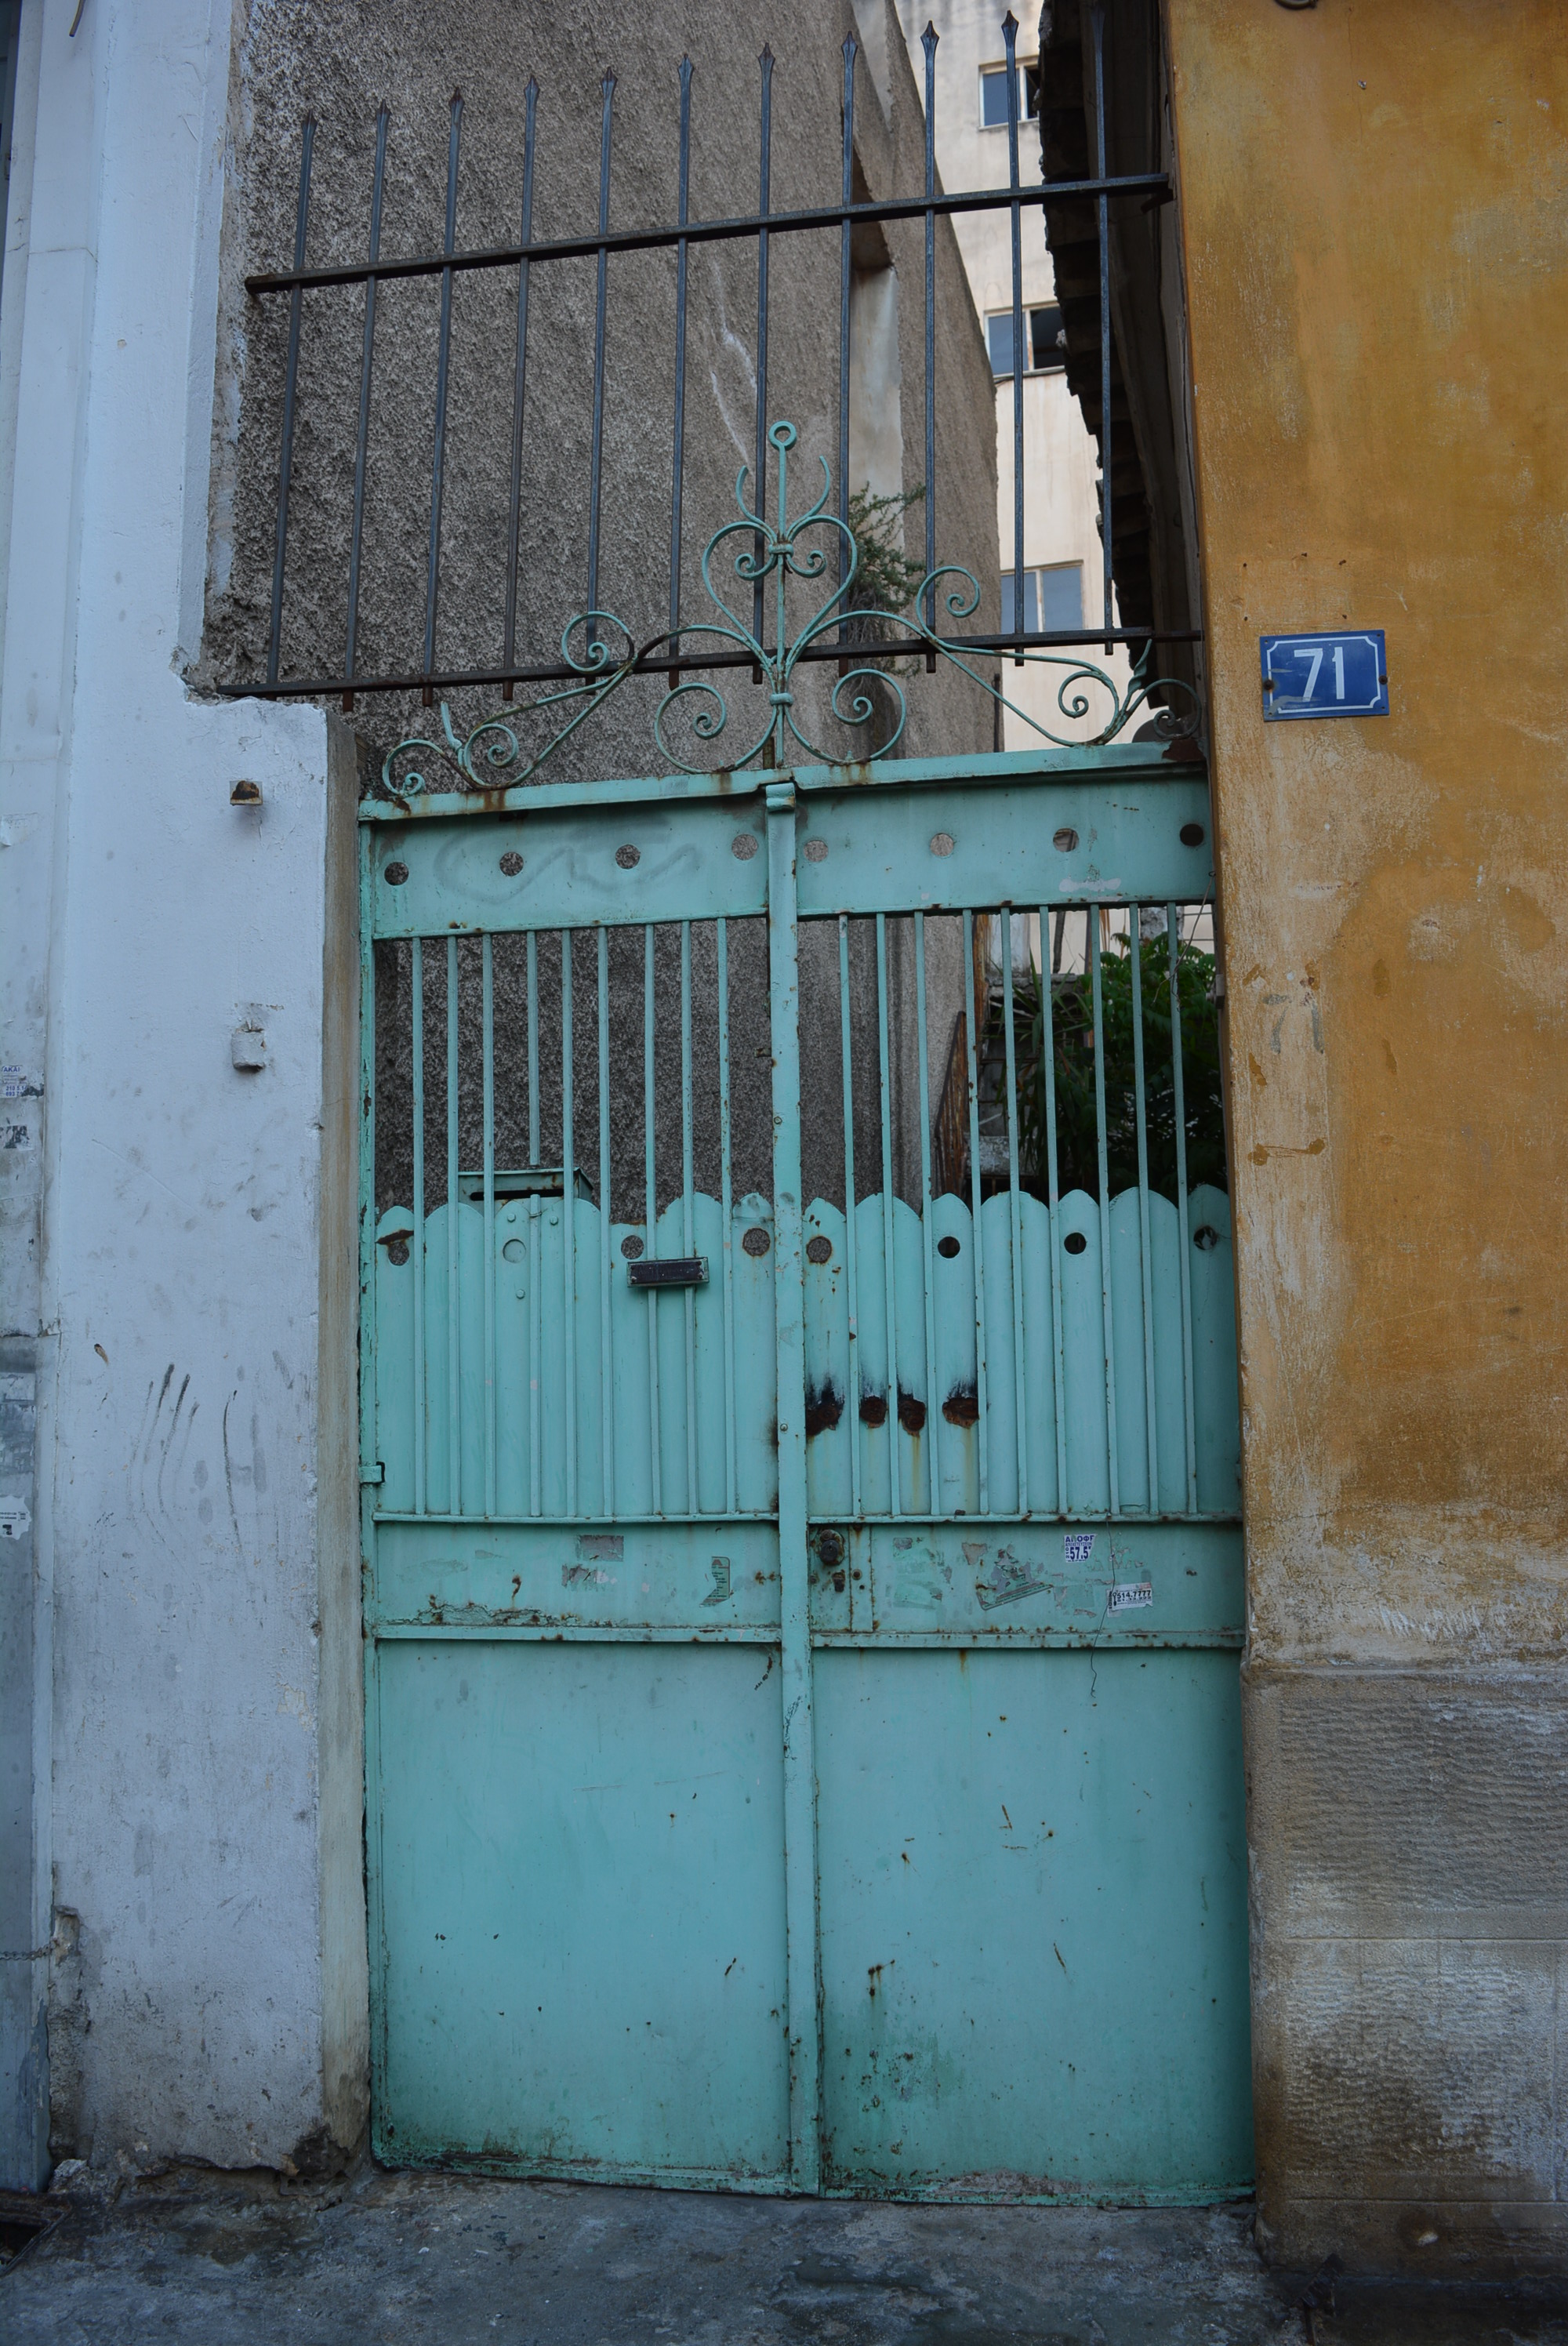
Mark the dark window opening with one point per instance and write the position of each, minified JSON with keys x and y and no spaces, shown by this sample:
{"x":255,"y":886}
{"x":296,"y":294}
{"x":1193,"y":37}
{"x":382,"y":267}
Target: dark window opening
{"x":994,"y":95}
{"x":1046,"y":341}
{"x":1052,"y":599}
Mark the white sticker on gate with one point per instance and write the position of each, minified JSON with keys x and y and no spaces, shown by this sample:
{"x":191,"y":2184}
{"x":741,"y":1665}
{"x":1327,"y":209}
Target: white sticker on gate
{"x":1130,"y":1596}
{"x":1077,"y":1547}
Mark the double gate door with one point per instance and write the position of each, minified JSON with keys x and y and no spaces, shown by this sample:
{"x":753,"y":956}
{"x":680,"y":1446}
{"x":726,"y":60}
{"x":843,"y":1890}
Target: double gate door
{"x":803,"y":1582}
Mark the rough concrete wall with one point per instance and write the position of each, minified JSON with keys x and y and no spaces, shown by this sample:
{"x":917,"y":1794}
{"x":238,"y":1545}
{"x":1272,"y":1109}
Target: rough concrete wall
{"x":1372,"y":201}
{"x":339,"y":63}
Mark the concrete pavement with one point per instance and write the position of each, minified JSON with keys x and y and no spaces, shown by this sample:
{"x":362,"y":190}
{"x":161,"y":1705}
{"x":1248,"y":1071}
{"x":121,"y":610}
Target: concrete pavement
{"x":401,"y":2259}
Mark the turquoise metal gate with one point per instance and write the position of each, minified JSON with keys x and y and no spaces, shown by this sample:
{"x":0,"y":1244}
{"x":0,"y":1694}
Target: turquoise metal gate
{"x":798,"y":1411}
{"x":804,"y":1580}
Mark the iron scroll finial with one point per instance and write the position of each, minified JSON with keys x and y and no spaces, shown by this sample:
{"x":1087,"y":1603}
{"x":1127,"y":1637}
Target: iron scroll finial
{"x":775,"y":551}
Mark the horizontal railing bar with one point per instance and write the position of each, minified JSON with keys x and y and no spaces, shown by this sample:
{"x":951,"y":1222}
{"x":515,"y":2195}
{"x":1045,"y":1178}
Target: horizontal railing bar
{"x":1215,"y":1639}
{"x":1045,"y":1519}
{"x":1103,"y":766}
{"x":719,"y":232}
{"x":660,"y":663}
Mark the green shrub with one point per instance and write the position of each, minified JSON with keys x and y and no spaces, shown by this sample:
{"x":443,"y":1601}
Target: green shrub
{"x":1072,"y":1021}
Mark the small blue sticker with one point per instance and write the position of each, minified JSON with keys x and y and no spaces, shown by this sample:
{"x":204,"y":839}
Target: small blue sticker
{"x":1077,"y":1547}
{"x":1325,"y":676}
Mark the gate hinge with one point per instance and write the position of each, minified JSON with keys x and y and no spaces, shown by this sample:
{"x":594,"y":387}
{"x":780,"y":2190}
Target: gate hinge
{"x":376,"y":1474}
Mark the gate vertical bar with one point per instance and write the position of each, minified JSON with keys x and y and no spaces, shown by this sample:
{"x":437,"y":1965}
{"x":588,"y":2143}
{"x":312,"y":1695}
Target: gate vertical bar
{"x":677,"y":452}
{"x":368,"y":1442}
{"x":1145,"y":1258}
{"x":606,"y":1239}
{"x":1053,"y":1204}
{"x":453,"y":1260}
{"x":933,"y":1409}
{"x":1010,"y":35}
{"x":420,"y":1427}
{"x":890,"y":1273}
{"x":650,"y":1216}
{"x":569,"y":1217}
{"x":291,"y":386}
{"x":852,"y":1397}
{"x":975,"y":1240}
{"x":1099,"y":1033}
{"x":443,"y":368}
{"x":1103,"y":221}
{"x":362,"y":435}
{"x":487,"y":1047}
{"x":369,"y":1431}
{"x":535,"y":1284}
{"x":1020,"y":1397}
{"x":1172,"y":933}
{"x":764,"y":178}
{"x":846,"y":233}
{"x":726,"y":1212}
{"x":794,"y":1623}
{"x":519,"y":387}
{"x":607,"y":92}
{"x":929,"y":40}
{"x":687,"y":1232}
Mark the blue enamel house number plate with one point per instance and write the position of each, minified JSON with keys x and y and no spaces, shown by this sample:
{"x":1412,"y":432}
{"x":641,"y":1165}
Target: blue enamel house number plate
{"x":1325,"y":676}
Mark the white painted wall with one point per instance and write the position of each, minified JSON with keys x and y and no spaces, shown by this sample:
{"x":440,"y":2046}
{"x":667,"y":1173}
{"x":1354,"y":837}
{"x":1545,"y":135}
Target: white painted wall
{"x":180,"y":1259}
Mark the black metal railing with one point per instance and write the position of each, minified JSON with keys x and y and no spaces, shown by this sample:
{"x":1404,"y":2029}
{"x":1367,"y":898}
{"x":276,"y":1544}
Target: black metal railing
{"x":527,"y":254}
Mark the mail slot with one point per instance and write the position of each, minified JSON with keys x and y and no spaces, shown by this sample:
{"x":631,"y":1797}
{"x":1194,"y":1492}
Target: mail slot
{"x":668,"y":1270}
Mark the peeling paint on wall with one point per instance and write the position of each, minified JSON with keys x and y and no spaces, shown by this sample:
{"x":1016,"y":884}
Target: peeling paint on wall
{"x":1372,"y":206}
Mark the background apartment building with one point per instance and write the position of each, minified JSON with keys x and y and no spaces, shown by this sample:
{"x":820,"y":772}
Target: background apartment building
{"x":1062,"y":563}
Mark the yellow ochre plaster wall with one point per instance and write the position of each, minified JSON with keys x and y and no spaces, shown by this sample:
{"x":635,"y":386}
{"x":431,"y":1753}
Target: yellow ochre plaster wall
{"x":1374,"y":206}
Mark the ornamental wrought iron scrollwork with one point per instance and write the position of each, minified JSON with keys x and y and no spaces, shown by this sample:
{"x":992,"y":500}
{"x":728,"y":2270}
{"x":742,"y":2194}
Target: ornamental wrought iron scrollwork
{"x":495,"y":754}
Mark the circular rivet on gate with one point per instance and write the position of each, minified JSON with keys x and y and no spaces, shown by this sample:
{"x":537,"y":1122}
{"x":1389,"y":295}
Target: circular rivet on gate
{"x":628,"y":857}
{"x":756,"y":1241}
{"x":942,"y":843}
{"x":396,"y":874}
{"x":819,"y":1249}
{"x":631,"y":1246}
{"x":815,"y":850}
{"x":830,"y":1549}
{"x":511,"y":863}
{"x":1074,"y":1242}
{"x":743,"y":846}
{"x":1192,"y":834}
{"x":397,"y":1251}
{"x":1206,"y":1238}
{"x":947,"y":1246}
{"x":1065,"y":840}
{"x":513,"y":1250}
